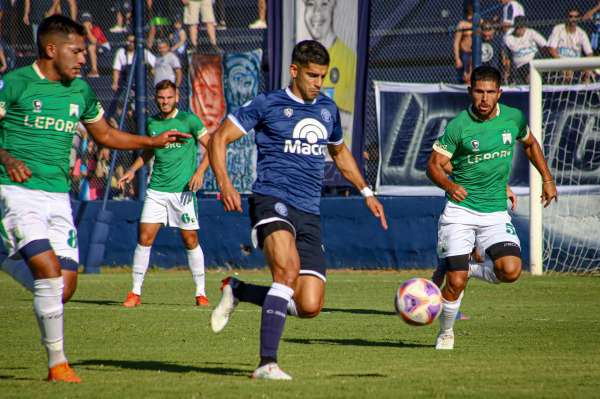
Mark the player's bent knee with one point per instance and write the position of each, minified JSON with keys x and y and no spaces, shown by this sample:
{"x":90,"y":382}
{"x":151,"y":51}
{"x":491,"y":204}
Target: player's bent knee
{"x":507,"y":259}
{"x":34,"y":248}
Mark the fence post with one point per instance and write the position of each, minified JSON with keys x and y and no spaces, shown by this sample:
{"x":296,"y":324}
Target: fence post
{"x":140,"y":87}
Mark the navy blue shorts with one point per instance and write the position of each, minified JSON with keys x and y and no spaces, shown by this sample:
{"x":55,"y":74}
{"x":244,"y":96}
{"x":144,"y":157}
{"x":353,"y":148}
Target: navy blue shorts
{"x":306,"y":227}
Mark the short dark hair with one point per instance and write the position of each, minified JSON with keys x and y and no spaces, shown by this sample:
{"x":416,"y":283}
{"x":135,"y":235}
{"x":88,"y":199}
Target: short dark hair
{"x":485,"y":72}
{"x":57,"y":24}
{"x":310,"y":51}
{"x":165,"y":84}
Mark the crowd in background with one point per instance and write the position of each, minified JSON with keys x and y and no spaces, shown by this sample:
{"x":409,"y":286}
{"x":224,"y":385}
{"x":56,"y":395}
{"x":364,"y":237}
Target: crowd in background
{"x":509,"y":43}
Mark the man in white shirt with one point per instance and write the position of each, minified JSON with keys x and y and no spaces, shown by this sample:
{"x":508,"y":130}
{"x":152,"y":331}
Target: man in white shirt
{"x":167,"y":65}
{"x":568,"y":39}
{"x":524,"y":44}
{"x":510,"y":10}
{"x":123,"y":61}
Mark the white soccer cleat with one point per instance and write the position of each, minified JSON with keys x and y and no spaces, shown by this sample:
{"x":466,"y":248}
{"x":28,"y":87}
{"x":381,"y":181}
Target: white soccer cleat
{"x":445,"y":340}
{"x":270,"y":371}
{"x":220,"y":315}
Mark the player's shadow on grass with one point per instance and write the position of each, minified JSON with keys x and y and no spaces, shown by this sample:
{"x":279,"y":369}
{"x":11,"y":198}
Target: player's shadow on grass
{"x":162,"y":366}
{"x":12,"y":377}
{"x":354,"y":342}
{"x":102,"y":302}
{"x":360,"y":311}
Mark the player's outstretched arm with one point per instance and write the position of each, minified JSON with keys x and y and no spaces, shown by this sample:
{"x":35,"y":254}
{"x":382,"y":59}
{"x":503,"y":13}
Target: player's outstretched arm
{"x":16,"y":169}
{"x":227,"y":133}
{"x":106,"y":135}
{"x":536,"y":156}
{"x":198,"y":176}
{"x":346,"y":164}
{"x":436,"y":171}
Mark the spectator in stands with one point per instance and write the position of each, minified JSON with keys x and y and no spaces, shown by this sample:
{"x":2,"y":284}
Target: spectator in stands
{"x":123,"y":61}
{"x":261,"y":22}
{"x":594,"y":15}
{"x":66,"y":7}
{"x":510,"y":10}
{"x":33,"y":13}
{"x":161,"y":14}
{"x":123,"y":16}
{"x":11,"y":10}
{"x":491,"y":46}
{"x":463,"y":45}
{"x":220,"y":14}
{"x":524,"y":44}
{"x":191,"y":13}
{"x":97,"y":43}
{"x":3,"y":62}
{"x":178,"y":38}
{"x":167,"y":65}
{"x":568,"y":39}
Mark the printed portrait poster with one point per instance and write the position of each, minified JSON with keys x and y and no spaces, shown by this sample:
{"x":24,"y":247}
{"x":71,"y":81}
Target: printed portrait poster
{"x":207,"y":99}
{"x":334,"y":23}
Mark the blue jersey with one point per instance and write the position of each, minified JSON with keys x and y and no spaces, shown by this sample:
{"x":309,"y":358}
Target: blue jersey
{"x":291,"y":140}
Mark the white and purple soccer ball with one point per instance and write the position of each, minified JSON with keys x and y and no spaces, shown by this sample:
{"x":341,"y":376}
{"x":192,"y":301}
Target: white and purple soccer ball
{"x":418,"y":301}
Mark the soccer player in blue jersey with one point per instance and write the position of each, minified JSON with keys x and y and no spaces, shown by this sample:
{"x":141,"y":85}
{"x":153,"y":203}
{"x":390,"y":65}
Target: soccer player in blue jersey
{"x":294,"y":127}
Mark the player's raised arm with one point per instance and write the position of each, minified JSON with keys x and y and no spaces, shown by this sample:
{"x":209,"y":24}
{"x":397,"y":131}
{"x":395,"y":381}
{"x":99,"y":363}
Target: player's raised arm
{"x":536,"y":156}
{"x":436,"y":171}
{"x":346,"y":164}
{"x":106,"y":135}
{"x":227,"y":133}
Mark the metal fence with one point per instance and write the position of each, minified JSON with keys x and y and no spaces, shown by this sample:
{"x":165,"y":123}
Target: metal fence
{"x":413,"y":41}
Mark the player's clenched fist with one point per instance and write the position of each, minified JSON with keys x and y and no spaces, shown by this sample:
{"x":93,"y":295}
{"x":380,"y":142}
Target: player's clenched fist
{"x":457,"y":193}
{"x":168,"y":137}
{"x":16,"y":170}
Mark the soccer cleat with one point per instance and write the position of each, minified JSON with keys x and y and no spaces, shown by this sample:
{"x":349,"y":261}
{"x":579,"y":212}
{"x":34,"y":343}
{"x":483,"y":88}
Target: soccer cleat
{"x":270,"y":371}
{"x":220,"y":314}
{"x":202,"y":300}
{"x":445,"y":340}
{"x":132,"y":300}
{"x":63,"y":372}
{"x":258,"y":24}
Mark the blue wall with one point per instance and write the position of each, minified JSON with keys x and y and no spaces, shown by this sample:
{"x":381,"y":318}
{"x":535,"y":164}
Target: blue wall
{"x":351,"y":235}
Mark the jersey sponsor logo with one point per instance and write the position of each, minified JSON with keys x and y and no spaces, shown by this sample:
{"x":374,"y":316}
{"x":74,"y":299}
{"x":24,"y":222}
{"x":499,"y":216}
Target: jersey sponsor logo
{"x":326,"y":115}
{"x":473,"y":159}
{"x":74,"y":110}
{"x":49,"y":123}
{"x":305,"y":136}
{"x":37,"y":106}
{"x":281,"y":209}
{"x":288,"y":112}
{"x":506,"y":137}
{"x":475,"y":145}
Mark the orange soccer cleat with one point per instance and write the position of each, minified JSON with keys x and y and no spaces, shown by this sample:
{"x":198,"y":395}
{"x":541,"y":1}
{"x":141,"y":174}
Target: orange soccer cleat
{"x":63,"y":372}
{"x":202,"y":300}
{"x":132,"y":300}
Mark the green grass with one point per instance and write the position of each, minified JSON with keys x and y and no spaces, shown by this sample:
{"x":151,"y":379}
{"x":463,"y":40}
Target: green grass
{"x":539,"y":337}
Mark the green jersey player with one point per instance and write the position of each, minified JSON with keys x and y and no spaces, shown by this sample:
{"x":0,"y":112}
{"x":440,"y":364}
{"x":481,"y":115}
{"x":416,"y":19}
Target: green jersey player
{"x":40,"y":107}
{"x":170,"y":199}
{"x":479,"y":144}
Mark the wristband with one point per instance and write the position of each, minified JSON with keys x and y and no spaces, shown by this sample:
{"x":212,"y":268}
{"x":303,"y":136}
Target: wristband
{"x":366,"y":192}
{"x":548,"y":181}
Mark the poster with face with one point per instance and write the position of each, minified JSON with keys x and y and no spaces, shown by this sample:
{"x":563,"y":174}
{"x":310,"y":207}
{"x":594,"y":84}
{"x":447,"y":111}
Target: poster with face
{"x":207,"y":98}
{"x":223,"y":88}
{"x":334,"y":24}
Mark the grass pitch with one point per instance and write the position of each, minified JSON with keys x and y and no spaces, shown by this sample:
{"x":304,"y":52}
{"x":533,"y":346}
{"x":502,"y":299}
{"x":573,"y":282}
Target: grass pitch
{"x":539,"y":337}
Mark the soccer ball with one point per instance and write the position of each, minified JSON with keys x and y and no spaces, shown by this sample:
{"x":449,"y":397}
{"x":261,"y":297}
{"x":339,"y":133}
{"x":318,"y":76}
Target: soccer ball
{"x":418,"y":301}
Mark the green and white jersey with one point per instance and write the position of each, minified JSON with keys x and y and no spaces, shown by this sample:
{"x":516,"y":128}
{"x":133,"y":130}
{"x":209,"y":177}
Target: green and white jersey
{"x":39,"y":119}
{"x":481,"y":154}
{"x":175,"y":164}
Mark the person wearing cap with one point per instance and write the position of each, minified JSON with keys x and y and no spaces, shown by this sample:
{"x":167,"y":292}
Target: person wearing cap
{"x":96,"y":42}
{"x":524,"y":44}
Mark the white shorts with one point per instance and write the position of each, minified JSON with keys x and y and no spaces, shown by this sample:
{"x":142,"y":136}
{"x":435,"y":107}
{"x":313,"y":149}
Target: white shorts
{"x":29,"y":215}
{"x":461,"y":229}
{"x":192,"y":10}
{"x":171,"y":209}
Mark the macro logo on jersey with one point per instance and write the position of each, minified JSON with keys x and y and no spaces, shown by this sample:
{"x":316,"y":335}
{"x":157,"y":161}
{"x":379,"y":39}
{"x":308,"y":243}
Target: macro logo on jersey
{"x":288,"y":112}
{"x":305,"y":138}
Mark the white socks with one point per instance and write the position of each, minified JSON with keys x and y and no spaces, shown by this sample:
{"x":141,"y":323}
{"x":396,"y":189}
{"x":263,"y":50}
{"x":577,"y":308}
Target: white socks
{"x":141,"y":258}
{"x":18,"y":270}
{"x":449,"y":311}
{"x":291,"y":308}
{"x":48,"y":308}
{"x":196,"y":262}
{"x":483,"y":271}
